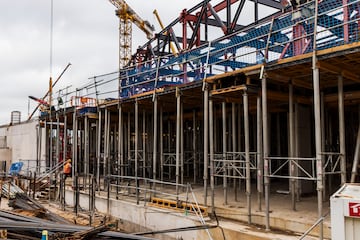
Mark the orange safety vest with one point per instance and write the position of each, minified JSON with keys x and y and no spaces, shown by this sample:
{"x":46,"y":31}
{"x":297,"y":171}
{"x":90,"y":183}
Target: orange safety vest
{"x":67,"y":168}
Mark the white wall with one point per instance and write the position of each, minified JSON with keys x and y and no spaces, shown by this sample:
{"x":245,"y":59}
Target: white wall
{"x":21,"y":142}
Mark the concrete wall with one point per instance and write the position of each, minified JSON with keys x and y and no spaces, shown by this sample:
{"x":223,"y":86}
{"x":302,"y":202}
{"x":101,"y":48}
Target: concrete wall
{"x":20,"y":143}
{"x":139,"y":218}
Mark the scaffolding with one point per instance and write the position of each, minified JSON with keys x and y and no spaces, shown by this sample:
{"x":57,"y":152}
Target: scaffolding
{"x":244,"y":109}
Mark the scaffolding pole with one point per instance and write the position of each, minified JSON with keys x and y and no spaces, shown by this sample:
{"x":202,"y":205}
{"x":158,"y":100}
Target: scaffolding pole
{"x":224,"y":152}
{"x":212,"y":180}
{"x":266,"y":152}
{"x":206,"y":140}
{"x":144,"y":144}
{"x":247,"y":154}
{"x":161,"y":144}
{"x":121,"y":141}
{"x":155,"y":139}
{"x":136,"y":149}
{"x":178,"y":120}
{"x":194,"y":145}
{"x":342,"y":129}
{"x":98,"y":152}
{"x":317,"y":119}
{"x":233,"y":135}
{"x":260,"y":160}
{"x":291,"y":146}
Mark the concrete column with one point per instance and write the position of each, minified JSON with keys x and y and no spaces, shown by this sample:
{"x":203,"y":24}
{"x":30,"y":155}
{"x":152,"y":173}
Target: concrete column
{"x":206,"y":141}
{"x":224,"y":151}
{"x":266,"y":152}
{"x":155,"y":100}
{"x":247,"y":154}
{"x":342,"y":129}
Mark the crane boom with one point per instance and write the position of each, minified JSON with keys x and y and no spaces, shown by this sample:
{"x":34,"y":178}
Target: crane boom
{"x":127,"y":15}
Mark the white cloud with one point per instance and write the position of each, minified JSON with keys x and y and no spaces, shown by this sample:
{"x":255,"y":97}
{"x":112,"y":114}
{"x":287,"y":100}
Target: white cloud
{"x":85,"y":33}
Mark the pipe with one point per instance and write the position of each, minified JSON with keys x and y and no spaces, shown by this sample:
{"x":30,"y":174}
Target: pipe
{"x":291,"y":146}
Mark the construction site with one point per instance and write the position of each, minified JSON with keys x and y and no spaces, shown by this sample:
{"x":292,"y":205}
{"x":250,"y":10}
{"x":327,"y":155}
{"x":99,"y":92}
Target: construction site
{"x":214,"y":128}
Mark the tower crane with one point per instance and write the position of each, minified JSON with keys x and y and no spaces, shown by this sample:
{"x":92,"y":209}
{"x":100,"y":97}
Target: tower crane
{"x":127,"y":16}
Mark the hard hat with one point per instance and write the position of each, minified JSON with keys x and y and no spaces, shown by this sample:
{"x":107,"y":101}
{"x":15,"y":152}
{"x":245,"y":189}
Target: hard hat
{"x":69,"y":160}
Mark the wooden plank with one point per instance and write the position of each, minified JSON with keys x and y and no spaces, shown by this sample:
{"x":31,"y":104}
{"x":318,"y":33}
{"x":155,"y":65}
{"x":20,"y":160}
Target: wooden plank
{"x":343,"y":70}
{"x":228,"y":90}
{"x":245,"y":70}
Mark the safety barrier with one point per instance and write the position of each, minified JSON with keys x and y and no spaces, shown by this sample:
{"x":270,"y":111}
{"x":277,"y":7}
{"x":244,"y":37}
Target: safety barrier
{"x":178,"y":206}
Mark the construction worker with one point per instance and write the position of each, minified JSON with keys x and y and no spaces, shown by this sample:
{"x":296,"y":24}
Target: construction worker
{"x":67,"y":169}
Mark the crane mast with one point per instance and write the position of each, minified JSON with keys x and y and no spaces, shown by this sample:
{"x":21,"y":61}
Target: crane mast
{"x":127,"y":16}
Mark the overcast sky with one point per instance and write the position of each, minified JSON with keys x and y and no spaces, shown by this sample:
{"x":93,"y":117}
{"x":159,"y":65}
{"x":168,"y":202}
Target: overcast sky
{"x":85,"y":33}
